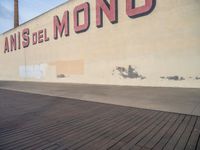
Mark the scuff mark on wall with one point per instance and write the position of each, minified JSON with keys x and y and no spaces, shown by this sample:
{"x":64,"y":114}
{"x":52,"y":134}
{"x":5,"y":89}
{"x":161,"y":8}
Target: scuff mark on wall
{"x":61,"y":76}
{"x":129,"y":72}
{"x":197,"y":78}
{"x":175,"y":78}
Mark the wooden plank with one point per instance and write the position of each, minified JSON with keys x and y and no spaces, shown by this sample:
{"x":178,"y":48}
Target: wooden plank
{"x":130,"y":136}
{"x":176,"y":136}
{"x":31,"y":121}
{"x":154,"y":140}
{"x":96,"y":130}
{"x":77,"y":132}
{"x":148,"y":137}
{"x":198,"y":144}
{"x":122,"y":135}
{"x":186,"y":134}
{"x":191,"y":145}
{"x":101,"y":141}
{"x":25,"y":139}
{"x":131,"y":144}
{"x":169,"y":134}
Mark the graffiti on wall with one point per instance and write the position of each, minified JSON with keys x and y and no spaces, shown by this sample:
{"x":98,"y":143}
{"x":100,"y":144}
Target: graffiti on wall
{"x":33,"y":71}
{"x":59,"y":69}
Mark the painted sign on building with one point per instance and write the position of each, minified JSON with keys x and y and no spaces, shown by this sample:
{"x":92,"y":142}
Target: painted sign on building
{"x":61,"y":26}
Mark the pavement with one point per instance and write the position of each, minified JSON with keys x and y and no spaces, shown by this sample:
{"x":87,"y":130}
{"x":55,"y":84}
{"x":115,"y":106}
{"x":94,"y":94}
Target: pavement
{"x":178,"y":100}
{"x":40,"y":122}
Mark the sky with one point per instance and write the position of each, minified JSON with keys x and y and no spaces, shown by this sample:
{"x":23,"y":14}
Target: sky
{"x":28,"y":9}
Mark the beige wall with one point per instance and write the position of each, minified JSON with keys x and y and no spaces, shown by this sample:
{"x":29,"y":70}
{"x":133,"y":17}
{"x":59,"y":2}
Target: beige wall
{"x":165,"y":43}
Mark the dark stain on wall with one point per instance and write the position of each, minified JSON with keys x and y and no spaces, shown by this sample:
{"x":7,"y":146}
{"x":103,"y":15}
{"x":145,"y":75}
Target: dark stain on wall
{"x":175,"y":78}
{"x":129,"y":72}
{"x":197,"y":78}
{"x":61,"y":76}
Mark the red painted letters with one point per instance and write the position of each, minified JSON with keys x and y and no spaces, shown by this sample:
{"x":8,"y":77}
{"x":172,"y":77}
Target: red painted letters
{"x":46,"y":38}
{"x":109,"y":9}
{"x":61,"y":26}
{"x":34,"y":38}
{"x":19,"y":41}
{"x":40,"y":36}
{"x":6,"y":46}
{"x":133,"y":11}
{"x":13,"y":44}
{"x":78,"y":9}
{"x":25,"y":36}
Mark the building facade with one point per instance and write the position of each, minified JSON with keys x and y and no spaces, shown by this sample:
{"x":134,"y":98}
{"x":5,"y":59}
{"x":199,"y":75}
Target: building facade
{"x":117,"y":42}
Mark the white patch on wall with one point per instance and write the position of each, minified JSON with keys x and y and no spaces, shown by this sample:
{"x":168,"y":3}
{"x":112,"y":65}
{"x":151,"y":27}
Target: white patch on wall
{"x":33,"y":71}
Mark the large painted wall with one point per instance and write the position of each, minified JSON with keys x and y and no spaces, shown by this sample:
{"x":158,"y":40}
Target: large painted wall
{"x":161,"y":48}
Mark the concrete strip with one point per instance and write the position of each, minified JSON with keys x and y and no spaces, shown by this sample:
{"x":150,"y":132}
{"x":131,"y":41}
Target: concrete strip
{"x":180,"y":100}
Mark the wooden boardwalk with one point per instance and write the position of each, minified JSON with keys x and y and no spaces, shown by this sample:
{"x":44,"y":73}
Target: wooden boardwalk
{"x":31,"y":121}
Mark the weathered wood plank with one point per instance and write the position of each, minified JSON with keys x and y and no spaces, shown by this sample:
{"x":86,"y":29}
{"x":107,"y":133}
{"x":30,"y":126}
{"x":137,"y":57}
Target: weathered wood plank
{"x":168,"y":134}
{"x":175,"y":138}
{"x":192,"y":143}
{"x":31,"y":121}
{"x":154,"y":140}
{"x":186,"y":134}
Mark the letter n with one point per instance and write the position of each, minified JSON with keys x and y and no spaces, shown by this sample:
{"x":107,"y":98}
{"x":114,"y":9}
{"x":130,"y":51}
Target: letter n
{"x":13,"y":42}
{"x":134,"y":12}
{"x":109,"y":9}
{"x":85,"y":8}
{"x":60,"y":27}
